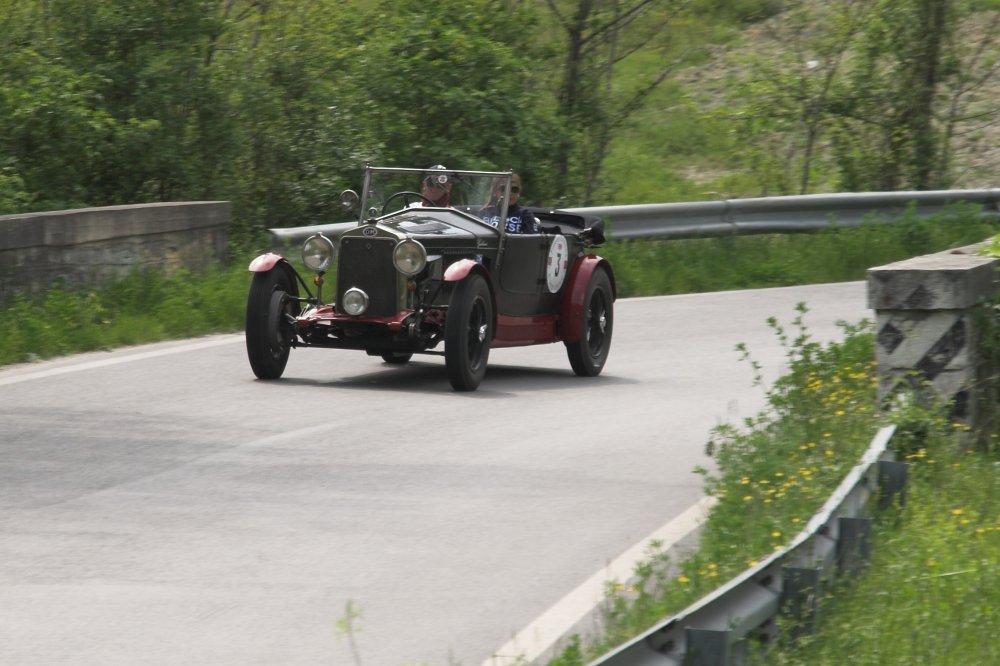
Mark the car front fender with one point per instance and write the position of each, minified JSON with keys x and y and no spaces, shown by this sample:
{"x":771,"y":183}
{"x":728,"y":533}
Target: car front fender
{"x":270,"y":261}
{"x":266,"y":262}
{"x":461,"y":270}
{"x":571,"y":309}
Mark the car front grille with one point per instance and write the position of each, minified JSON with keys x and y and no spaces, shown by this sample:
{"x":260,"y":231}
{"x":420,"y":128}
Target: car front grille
{"x":366,"y":263}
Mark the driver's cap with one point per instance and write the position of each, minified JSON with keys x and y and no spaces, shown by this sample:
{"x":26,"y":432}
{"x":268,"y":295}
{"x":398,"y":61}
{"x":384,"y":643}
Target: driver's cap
{"x":438,"y":178}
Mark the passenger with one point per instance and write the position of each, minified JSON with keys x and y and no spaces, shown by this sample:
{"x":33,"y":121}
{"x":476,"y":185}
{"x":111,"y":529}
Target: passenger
{"x":519,"y":219}
{"x":436,"y":188}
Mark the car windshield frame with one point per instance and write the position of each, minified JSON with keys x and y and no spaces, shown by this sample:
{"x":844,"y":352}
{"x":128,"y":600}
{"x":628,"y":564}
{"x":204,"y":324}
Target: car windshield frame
{"x":475,"y":188}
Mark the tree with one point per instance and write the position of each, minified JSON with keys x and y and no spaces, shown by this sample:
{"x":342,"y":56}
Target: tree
{"x":173,"y":133}
{"x":876,"y":89}
{"x":283,"y":64}
{"x":600,"y":36}
{"x":783,"y":109}
{"x":914,"y":83}
{"x":972,"y":67}
{"x":110,"y":102}
{"x":454,"y":86}
{"x":891,"y":95}
{"x":52,"y":130}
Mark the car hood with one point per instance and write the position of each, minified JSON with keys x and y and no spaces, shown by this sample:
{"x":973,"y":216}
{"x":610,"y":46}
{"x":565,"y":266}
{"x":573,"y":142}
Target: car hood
{"x":437,"y":224}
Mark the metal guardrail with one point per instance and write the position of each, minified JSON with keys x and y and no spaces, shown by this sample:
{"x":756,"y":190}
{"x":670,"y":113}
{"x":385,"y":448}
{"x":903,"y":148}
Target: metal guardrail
{"x":791,"y":214}
{"x":737,"y":217}
{"x":714,"y":631}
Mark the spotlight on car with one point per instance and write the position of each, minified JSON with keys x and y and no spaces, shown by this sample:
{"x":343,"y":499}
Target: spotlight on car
{"x":354,"y":302}
{"x":317,"y":252}
{"x":349,"y":200}
{"x":410,"y":257}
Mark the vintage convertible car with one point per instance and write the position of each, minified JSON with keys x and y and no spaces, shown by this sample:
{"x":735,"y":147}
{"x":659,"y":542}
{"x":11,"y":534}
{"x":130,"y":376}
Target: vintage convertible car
{"x":414,"y":275}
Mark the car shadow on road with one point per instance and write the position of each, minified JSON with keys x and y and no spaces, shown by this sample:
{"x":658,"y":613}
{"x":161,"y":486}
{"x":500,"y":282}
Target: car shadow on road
{"x":428,"y":377}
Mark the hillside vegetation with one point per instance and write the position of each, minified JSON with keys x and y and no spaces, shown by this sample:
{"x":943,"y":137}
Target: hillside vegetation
{"x":276,"y":105}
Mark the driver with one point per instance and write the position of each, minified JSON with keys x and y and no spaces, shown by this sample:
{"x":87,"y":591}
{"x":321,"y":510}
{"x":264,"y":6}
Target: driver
{"x":436,"y":187}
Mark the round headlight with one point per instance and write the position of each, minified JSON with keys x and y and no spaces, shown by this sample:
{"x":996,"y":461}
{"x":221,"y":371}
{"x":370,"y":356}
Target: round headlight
{"x":349,"y":199}
{"x":317,"y":252}
{"x":410,"y":257}
{"x":355,"y":301}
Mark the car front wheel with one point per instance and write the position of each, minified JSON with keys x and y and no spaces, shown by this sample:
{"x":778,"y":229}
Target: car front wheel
{"x":268,"y":333}
{"x":468,"y":330}
{"x":588,"y":354}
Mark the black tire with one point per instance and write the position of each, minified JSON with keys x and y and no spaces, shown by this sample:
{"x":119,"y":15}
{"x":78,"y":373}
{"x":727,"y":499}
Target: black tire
{"x":396,"y":358}
{"x":588,"y":354}
{"x":268,"y":334}
{"x":467,"y":333}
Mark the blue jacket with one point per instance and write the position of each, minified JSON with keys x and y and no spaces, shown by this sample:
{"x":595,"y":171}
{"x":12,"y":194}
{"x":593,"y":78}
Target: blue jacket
{"x":519,"y":219}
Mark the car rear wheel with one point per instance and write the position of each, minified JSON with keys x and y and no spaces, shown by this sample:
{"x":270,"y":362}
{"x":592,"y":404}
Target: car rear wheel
{"x":268,"y":333}
{"x":468,"y":330}
{"x":588,"y":354}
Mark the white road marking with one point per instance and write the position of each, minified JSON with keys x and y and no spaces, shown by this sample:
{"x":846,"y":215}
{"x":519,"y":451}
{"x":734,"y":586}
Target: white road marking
{"x":120,"y":358}
{"x":532,"y":641}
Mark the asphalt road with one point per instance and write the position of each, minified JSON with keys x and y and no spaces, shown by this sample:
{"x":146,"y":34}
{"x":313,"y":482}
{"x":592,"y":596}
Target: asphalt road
{"x":158,"y":505}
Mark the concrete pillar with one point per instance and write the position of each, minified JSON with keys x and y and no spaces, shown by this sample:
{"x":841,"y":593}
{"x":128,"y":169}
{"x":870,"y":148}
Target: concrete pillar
{"x":928,"y":331}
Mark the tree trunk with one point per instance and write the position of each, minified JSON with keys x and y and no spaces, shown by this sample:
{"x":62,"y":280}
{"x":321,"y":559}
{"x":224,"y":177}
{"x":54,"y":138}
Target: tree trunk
{"x":926,"y":71}
{"x":569,"y":91}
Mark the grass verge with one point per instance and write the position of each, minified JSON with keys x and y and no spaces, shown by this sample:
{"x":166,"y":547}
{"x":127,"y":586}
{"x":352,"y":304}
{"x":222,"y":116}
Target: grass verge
{"x":143,"y":307}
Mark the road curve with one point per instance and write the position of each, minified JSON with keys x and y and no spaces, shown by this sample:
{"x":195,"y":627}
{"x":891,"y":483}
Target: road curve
{"x":158,"y":505}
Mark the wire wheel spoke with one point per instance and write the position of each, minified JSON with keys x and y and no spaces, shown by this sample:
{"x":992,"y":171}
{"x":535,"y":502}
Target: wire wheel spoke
{"x":597,"y":321}
{"x":478,"y":329}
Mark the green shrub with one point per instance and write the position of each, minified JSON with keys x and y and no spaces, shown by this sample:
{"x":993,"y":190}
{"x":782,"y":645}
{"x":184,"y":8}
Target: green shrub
{"x":145,"y":306}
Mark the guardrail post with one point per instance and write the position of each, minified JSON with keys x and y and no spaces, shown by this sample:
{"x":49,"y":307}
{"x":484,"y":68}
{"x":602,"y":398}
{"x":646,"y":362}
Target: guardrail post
{"x":892,"y":476}
{"x":706,"y":647}
{"x":801,"y":590}
{"x":854,"y":547}
{"x":927,"y":331}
